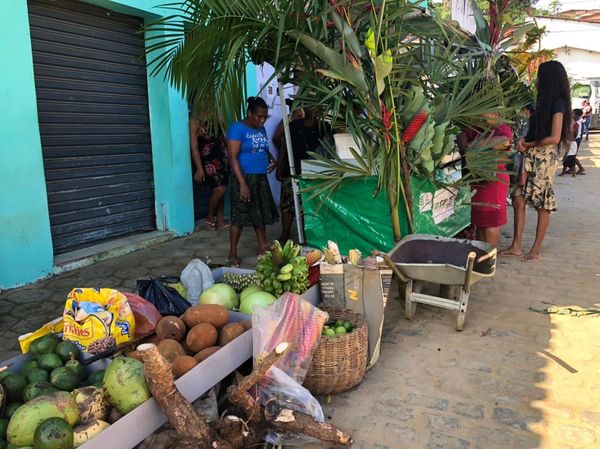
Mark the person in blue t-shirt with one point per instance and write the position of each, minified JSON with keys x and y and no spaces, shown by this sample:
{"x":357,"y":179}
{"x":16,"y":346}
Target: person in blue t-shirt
{"x":252,"y":202}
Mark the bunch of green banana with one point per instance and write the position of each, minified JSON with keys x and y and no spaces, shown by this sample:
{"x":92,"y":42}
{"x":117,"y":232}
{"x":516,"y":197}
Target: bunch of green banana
{"x":283,"y":269}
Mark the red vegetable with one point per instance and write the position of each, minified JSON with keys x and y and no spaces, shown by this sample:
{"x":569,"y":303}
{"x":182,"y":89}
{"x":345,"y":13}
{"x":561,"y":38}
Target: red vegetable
{"x":414,"y":126}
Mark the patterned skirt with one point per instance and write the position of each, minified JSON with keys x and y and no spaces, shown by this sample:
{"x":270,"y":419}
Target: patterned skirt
{"x":541,"y":164}
{"x":260,"y":210}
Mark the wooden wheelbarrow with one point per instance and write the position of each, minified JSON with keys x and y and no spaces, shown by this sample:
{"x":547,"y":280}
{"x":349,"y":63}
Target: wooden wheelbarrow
{"x":440,"y":260}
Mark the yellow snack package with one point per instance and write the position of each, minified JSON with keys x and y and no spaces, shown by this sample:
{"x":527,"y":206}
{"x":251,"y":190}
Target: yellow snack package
{"x":94,"y":313}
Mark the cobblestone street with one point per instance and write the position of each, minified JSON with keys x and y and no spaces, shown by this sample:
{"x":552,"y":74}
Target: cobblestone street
{"x":513,"y":378}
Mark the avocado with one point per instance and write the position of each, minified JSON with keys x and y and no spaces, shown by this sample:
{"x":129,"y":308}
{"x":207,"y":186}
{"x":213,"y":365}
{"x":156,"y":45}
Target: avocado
{"x":54,"y":433}
{"x":77,"y":368}
{"x":3,"y":426}
{"x":33,"y":390}
{"x":96,"y":377}
{"x":36,"y":375}
{"x":67,"y":350}
{"x":11,"y":408}
{"x":64,"y":379}
{"x":14,"y":384}
{"x":27,"y":367}
{"x":49,"y":361}
{"x":43,"y":345}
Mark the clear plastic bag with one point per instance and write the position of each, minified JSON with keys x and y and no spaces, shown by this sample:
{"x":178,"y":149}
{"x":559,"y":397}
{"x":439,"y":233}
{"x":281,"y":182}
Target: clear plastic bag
{"x":293,"y":320}
{"x":196,"y":277}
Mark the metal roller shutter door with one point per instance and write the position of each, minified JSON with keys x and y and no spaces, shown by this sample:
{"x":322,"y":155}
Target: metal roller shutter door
{"x":90,"y":77}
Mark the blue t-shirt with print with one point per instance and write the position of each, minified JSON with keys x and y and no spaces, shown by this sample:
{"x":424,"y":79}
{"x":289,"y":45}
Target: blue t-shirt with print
{"x":254,"y":147}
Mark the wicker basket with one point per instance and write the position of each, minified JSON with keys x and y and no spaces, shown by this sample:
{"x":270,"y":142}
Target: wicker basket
{"x":339,"y":362}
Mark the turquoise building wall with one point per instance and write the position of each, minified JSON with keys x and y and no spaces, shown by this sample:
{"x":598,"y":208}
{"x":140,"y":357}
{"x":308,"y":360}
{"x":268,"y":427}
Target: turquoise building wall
{"x":26,"y":252}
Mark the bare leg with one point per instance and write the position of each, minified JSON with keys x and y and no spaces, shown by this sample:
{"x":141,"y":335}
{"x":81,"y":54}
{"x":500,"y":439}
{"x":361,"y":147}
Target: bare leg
{"x":540,"y":232}
{"x":580,"y":167}
{"x":492,"y":236}
{"x":261,"y":235}
{"x":519,"y":225}
{"x":234,"y":237}
{"x":216,"y":206}
{"x":287,"y":218}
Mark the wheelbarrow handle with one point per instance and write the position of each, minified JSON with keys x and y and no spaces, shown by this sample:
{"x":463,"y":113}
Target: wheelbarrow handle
{"x":390,"y":263}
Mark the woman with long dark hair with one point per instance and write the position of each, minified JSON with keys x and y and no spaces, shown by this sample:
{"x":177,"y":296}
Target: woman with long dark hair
{"x":549,"y":127}
{"x":252,"y":202}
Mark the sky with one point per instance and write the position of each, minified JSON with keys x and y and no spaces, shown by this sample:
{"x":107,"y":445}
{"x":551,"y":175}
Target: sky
{"x":566,"y":5}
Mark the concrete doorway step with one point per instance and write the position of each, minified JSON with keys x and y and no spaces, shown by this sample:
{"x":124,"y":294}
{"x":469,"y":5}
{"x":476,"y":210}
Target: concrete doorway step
{"x":87,"y":256}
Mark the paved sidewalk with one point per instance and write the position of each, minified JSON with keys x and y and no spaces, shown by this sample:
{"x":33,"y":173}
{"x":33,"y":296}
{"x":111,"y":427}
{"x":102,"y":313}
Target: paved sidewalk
{"x":512,"y":379}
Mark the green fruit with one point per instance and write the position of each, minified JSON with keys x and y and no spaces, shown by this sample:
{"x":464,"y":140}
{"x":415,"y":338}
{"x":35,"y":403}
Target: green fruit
{"x":3,"y":426}
{"x":14,"y":384}
{"x":95,"y":377}
{"x":11,"y":408}
{"x":64,"y":379}
{"x":125,"y":384}
{"x":49,"y":361}
{"x":27,"y":367}
{"x":5,"y":373}
{"x":67,"y":350}
{"x":77,"y":368}
{"x":54,"y":433}
{"x":36,"y":375}
{"x":348,"y":326}
{"x":340,"y":330}
{"x":37,"y":389}
{"x":43,"y":345}
{"x":339,"y":323}
{"x":329,"y":332}
{"x":28,"y":417}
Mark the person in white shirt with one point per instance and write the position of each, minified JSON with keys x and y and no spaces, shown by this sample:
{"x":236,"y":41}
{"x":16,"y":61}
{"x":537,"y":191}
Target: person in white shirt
{"x":569,"y":160}
{"x":579,"y":117}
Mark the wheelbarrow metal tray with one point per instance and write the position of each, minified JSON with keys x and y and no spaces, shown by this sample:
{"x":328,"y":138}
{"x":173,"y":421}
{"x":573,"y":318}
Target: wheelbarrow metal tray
{"x":442,"y":260}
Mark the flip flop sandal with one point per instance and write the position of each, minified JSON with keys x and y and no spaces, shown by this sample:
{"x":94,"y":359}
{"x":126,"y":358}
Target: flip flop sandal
{"x":211,"y":225}
{"x":225,"y":226}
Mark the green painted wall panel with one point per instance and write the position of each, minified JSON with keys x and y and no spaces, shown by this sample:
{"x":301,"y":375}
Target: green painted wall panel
{"x":25,"y":240}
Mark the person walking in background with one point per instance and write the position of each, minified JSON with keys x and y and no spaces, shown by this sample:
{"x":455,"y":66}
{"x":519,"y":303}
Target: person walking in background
{"x":569,"y":160}
{"x":252,"y":202}
{"x":212,"y":170}
{"x":578,"y":114}
{"x":587,"y":118}
{"x":549,"y":126}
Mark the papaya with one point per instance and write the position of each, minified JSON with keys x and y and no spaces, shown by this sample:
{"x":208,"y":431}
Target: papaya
{"x":28,"y":417}
{"x":49,"y":361}
{"x":37,"y":389}
{"x":77,"y":368}
{"x":67,"y":350}
{"x":54,"y":433}
{"x":85,"y":432}
{"x":14,"y":384}
{"x":125,"y":384}
{"x":64,"y":379}
{"x":92,"y":404}
{"x":36,"y":375}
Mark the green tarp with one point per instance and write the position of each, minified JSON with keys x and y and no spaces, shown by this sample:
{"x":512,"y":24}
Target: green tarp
{"x":354,"y":218}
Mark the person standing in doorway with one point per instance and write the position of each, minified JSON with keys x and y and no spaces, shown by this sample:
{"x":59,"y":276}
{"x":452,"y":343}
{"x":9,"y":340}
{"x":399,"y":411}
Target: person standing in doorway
{"x":212,"y":170}
{"x":586,"y":117}
{"x":252,"y":201}
{"x":549,"y":127}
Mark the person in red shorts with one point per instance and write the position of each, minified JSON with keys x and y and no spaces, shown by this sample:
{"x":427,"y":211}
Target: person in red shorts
{"x":488,"y":205}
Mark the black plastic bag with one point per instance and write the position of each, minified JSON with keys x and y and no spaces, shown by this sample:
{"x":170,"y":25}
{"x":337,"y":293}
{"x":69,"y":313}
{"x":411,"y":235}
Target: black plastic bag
{"x":166,"y":299}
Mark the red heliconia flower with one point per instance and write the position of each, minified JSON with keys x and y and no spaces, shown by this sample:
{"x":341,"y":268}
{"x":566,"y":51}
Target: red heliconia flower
{"x":414,"y":126}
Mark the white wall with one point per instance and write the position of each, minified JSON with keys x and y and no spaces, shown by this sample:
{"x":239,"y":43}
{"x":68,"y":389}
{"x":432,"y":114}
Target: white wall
{"x":570,"y":33}
{"x":580,"y":64}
